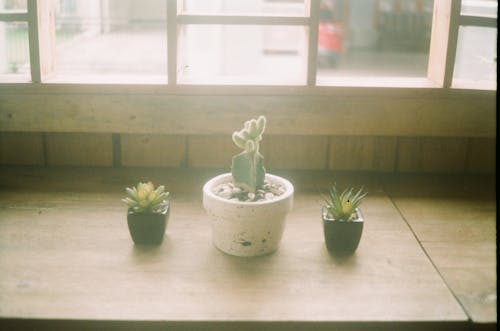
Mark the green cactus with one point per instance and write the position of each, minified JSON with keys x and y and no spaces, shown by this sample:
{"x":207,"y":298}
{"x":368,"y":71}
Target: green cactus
{"x":248,"y":167}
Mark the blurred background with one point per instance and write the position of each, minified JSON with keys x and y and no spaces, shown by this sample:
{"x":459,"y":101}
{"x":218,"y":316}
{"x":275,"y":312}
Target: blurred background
{"x":126,"y":41}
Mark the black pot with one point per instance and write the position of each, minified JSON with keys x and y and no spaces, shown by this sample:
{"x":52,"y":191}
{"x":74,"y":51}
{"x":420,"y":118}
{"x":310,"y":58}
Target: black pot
{"x":342,"y":237}
{"x":148,"y":228}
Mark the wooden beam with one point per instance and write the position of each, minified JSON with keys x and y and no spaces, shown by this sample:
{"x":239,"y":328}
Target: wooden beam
{"x":379,"y":112}
{"x":14,"y":16}
{"x":484,"y":21}
{"x":172,"y":41}
{"x":444,"y":35}
{"x":312,"y":49}
{"x":46,"y":36}
{"x":34,"y":44}
{"x":241,"y":19}
{"x":41,"y":28}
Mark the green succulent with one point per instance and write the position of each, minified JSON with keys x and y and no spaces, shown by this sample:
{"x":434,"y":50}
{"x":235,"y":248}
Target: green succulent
{"x":144,"y":198}
{"x":341,"y":206}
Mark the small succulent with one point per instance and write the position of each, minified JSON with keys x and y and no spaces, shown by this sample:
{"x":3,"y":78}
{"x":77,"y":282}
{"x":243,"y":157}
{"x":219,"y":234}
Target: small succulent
{"x":248,"y":167}
{"x":144,"y":198}
{"x":341,"y":206}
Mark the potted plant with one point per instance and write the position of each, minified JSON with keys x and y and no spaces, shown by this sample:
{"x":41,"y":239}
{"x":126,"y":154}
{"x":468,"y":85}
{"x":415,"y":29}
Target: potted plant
{"x":148,"y":212}
{"x":343,"y":220}
{"x":248,"y":207}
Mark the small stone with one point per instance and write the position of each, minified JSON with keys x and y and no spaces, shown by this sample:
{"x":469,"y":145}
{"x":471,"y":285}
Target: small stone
{"x":251,"y":196}
{"x":226,"y":193}
{"x":269,"y":196}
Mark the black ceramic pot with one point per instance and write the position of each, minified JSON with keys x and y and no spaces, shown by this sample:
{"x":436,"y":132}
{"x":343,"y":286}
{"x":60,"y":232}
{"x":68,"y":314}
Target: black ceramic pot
{"x":342,"y":237}
{"x":148,"y":228}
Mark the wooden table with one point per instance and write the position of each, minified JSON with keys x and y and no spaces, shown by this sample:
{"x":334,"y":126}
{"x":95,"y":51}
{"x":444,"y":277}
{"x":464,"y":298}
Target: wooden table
{"x":66,"y":260}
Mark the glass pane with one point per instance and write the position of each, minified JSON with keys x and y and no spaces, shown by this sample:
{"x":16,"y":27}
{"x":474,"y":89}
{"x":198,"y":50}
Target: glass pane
{"x":480,"y":7}
{"x":234,"y":54}
{"x":14,"y":5}
{"x":249,"y":7}
{"x":476,"y":54}
{"x":111,"y":41}
{"x":385,"y":38}
{"x":14,"y":52}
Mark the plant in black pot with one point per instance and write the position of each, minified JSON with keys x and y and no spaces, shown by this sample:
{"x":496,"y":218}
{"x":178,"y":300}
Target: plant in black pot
{"x":342,"y":220}
{"x":148,"y":211}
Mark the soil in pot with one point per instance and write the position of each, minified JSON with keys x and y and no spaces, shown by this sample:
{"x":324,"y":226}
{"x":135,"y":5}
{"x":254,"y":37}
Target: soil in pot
{"x":148,"y":228}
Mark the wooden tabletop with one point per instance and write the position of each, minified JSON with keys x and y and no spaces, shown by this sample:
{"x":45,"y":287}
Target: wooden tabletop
{"x":65,"y":253}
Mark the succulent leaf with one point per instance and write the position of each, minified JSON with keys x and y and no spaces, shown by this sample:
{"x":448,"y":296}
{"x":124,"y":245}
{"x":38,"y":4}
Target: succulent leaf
{"x":340,"y":206}
{"x":144,"y":198}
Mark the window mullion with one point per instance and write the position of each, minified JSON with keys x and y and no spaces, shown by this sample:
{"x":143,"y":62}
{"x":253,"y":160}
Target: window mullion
{"x":444,"y":38}
{"x":241,"y":19}
{"x":312,"y":42}
{"x":483,"y":21}
{"x":34,"y":45}
{"x":41,"y":31}
{"x":13,"y":16}
{"x":172,"y":41}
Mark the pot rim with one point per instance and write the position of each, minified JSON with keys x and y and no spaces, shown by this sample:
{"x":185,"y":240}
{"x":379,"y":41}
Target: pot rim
{"x":207,"y":190}
{"x":325,"y":217}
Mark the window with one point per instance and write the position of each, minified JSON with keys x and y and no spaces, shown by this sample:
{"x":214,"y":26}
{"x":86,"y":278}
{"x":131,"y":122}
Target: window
{"x":476,"y":56}
{"x":111,"y":41}
{"x":387,"y":39}
{"x":250,"y":42}
{"x":14,"y":50}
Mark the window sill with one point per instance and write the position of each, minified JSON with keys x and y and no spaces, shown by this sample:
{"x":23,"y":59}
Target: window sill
{"x":67,"y":256}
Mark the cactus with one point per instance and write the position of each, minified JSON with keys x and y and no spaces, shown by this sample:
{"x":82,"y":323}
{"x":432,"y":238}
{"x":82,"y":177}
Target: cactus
{"x":248,"y":167}
{"x":144,"y":198}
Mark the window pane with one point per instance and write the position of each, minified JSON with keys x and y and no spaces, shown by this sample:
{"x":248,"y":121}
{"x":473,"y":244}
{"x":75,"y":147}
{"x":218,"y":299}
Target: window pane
{"x":7,"y":5}
{"x":14,"y":52}
{"x":222,"y":54}
{"x":111,"y":41}
{"x":476,"y":54}
{"x":480,"y":7}
{"x":249,"y":7}
{"x":385,"y":38}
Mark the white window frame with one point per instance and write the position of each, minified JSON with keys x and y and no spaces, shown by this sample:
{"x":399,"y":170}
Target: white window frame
{"x":427,"y":107}
{"x":446,"y":21}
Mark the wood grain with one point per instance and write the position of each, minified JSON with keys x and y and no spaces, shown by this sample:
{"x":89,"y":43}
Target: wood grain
{"x":481,"y":156}
{"x":68,"y":255}
{"x":348,"y":112}
{"x":79,"y":149}
{"x":21,"y":148}
{"x":351,"y":153}
{"x":153,"y":150}
{"x":295,"y":152}
{"x":460,"y":237}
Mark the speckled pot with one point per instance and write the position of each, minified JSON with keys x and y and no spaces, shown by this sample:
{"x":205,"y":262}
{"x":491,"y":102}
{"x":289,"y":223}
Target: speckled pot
{"x":247,"y":228}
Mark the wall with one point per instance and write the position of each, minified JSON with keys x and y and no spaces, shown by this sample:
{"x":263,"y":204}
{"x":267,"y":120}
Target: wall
{"x":340,"y":153}
{"x":429,"y":130}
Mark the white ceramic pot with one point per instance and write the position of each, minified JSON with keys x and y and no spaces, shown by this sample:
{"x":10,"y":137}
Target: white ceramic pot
{"x":247,"y":228}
